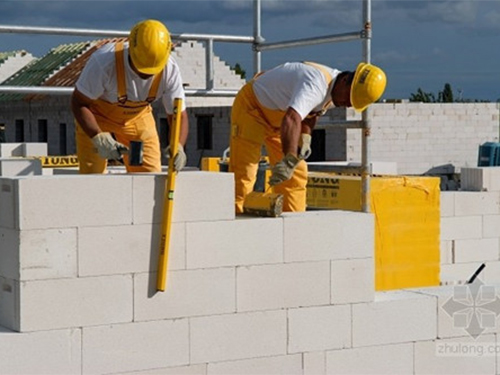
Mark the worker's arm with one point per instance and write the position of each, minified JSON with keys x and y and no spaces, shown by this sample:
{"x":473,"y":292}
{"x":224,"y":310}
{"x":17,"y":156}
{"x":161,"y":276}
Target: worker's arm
{"x":291,"y":126}
{"x":184,"y":131}
{"x":80,"y":105}
{"x":308,"y":125}
{"x":106,"y":145}
{"x":290,"y":133}
{"x":180,"y":159}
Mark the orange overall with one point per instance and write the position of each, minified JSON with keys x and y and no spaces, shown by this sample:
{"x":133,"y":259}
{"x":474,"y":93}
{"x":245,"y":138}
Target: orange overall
{"x":127,"y":120}
{"x":253,"y":125}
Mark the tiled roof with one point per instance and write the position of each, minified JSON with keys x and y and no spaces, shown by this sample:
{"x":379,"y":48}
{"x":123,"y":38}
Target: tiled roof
{"x":5,"y":55}
{"x":37,"y":72}
{"x":68,"y":76}
{"x":62,"y":66}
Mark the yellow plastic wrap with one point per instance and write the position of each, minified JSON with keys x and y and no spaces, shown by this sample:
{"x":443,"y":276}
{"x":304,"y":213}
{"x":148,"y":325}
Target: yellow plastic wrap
{"x":210,"y":164}
{"x":407,"y":223}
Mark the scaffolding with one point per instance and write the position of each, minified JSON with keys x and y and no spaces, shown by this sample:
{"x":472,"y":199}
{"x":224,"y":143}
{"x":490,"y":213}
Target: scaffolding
{"x":258,"y":46}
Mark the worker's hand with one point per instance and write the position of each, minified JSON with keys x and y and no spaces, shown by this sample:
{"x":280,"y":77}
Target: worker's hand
{"x":283,"y":170}
{"x":180,"y":159}
{"x":108,"y":147}
{"x":305,"y":146}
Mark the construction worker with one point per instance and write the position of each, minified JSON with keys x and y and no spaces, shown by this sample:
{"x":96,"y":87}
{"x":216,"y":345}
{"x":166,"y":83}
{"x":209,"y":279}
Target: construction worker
{"x":113,"y":95}
{"x":279,"y":108}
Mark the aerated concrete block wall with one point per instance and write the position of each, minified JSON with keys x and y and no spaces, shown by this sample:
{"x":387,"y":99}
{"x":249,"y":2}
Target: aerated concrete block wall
{"x":288,"y":295}
{"x":420,"y":136}
{"x":416,"y":136}
{"x":470,"y":227}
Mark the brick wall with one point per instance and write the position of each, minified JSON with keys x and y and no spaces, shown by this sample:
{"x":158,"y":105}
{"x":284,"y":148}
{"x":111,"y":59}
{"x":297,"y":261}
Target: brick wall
{"x":291,"y":295}
{"x":418,"y":137}
{"x":421,"y":136}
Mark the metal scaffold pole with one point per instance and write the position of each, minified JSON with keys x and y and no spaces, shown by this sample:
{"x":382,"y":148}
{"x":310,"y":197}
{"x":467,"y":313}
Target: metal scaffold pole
{"x":257,"y":37}
{"x":366,"y":116}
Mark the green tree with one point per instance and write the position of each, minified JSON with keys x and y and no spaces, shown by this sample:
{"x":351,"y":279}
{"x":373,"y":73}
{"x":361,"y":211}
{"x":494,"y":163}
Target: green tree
{"x":239,"y":70}
{"x":421,"y":96}
{"x":446,"y":96}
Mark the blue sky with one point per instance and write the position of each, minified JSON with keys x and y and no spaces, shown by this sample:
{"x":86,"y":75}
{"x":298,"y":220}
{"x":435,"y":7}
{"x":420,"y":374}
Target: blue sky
{"x":420,"y":44}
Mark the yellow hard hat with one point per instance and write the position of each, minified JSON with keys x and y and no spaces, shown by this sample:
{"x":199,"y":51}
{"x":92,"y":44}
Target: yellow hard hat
{"x":368,"y":86}
{"x":149,"y":46}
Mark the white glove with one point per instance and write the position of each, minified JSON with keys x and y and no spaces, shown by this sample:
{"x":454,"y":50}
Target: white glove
{"x":305,"y":146}
{"x":283,"y":170}
{"x":107,"y":147}
{"x":180,"y":159}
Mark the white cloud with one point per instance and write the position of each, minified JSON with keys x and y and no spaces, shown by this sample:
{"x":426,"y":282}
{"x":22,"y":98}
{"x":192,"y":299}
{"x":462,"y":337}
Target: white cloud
{"x":492,"y":19}
{"x":394,"y":57}
{"x":451,"y":11}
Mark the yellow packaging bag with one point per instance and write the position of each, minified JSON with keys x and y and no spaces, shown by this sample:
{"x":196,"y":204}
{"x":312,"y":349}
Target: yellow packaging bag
{"x":407,"y":223}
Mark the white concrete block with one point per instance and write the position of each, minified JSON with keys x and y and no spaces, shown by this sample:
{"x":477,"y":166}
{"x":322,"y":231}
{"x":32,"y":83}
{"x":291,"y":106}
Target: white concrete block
{"x":67,"y":201}
{"x":491,"y":273}
{"x":11,"y":149}
{"x":47,"y":254}
{"x":182,"y":370}
{"x":20,"y":167}
{"x":49,"y":352}
{"x":446,"y":356}
{"x":320,"y":235}
{"x":458,"y":273}
{"x":9,"y":303}
{"x":476,"y":250}
{"x":480,"y":178}
{"x":244,"y":241}
{"x":352,"y":281}
{"x":108,"y":250}
{"x":8,"y":203}
{"x":9,"y":253}
{"x":319,"y":328}
{"x":282,"y":365}
{"x":491,"y":226}
{"x":380,"y":359}
{"x":453,"y":302}
{"x":394,"y":317}
{"x":446,"y":251}
{"x":447,"y":203}
{"x":285,"y":285}
{"x":34,"y":149}
{"x":188,"y":293}
{"x":473,"y":179}
{"x":135,"y":346}
{"x":198,"y":196}
{"x":477,"y":203}
{"x":314,"y":363}
{"x":238,"y":336}
{"x":463,"y":227}
{"x":66,"y":303}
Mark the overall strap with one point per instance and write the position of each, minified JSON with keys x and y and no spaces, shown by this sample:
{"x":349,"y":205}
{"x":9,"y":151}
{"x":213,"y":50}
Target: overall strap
{"x":154,"y":87}
{"x":329,"y":80}
{"x":323,"y":70}
{"x":120,"y":73}
{"x":257,"y":75}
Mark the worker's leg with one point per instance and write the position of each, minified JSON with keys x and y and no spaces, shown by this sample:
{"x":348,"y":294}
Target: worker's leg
{"x":88,"y":159}
{"x":247,"y":134}
{"x":243,"y":162}
{"x":293,"y":190}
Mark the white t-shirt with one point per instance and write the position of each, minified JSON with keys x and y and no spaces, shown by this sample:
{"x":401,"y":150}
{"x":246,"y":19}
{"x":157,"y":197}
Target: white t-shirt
{"x":300,"y":86}
{"x":98,"y":79}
